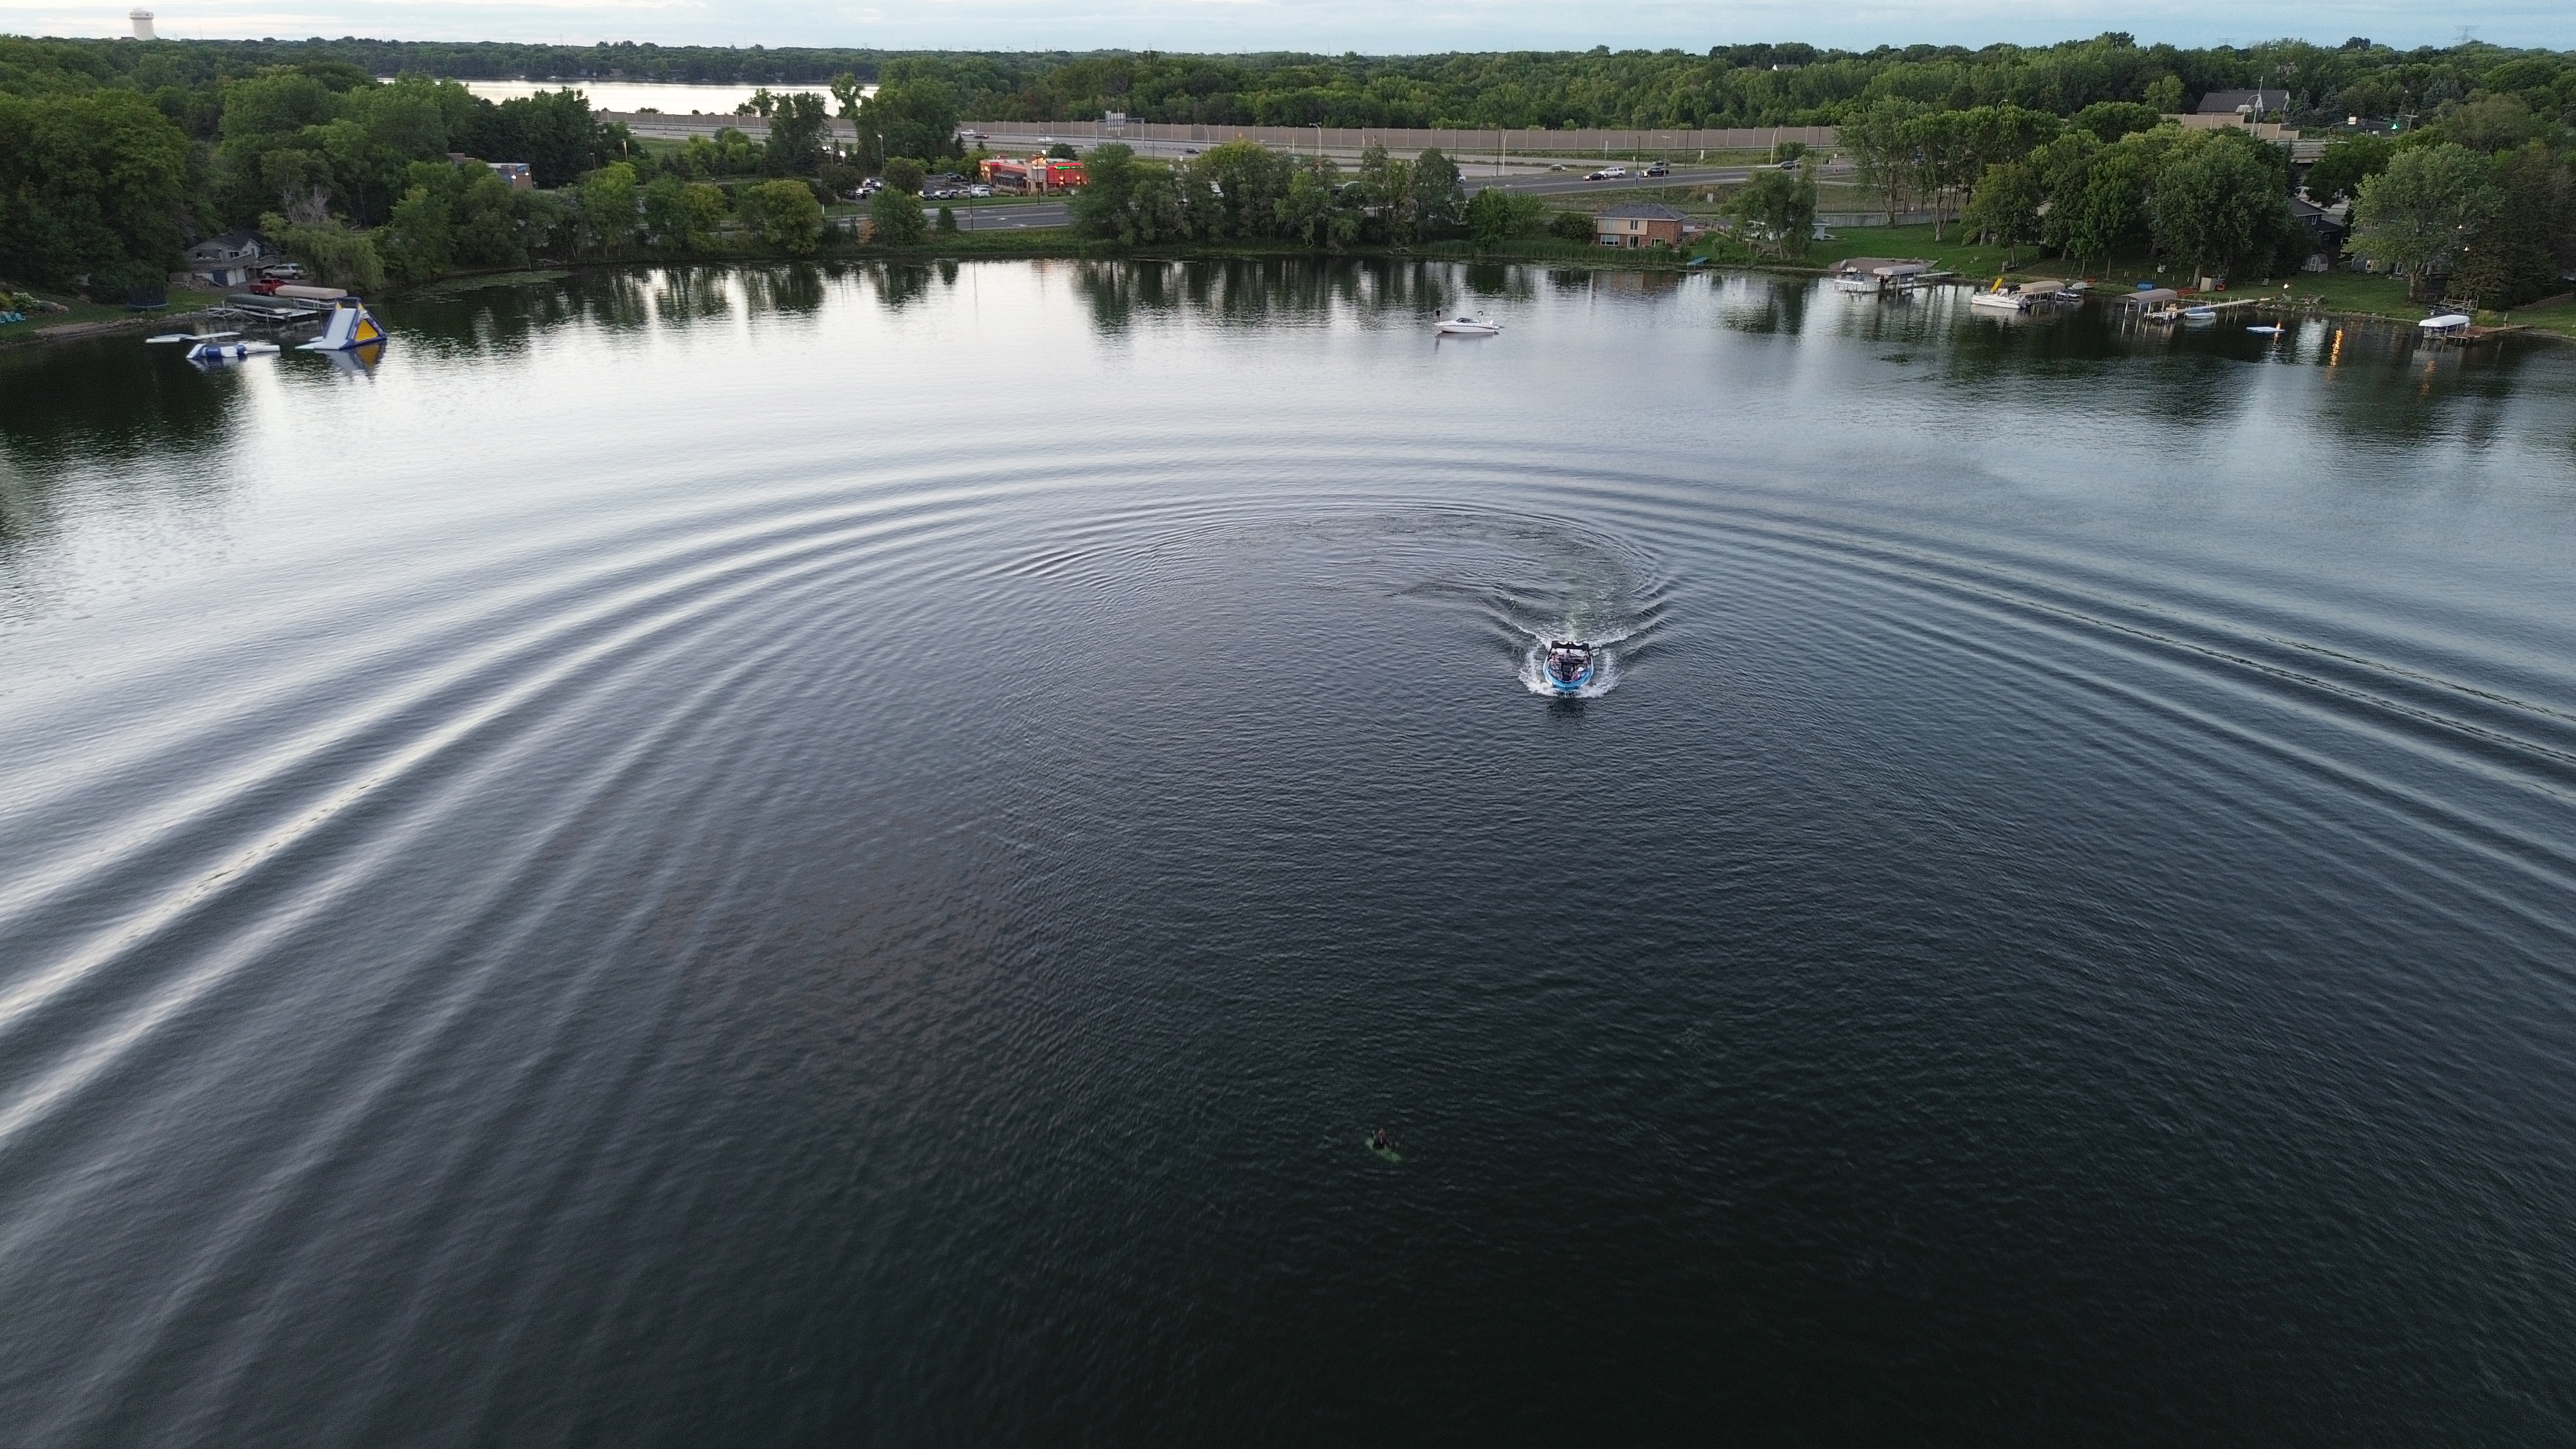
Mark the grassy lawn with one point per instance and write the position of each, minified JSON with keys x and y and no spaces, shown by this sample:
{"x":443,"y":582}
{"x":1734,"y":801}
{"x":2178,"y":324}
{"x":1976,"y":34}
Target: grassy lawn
{"x":84,"y":312}
{"x":1950,"y":254}
{"x":2558,"y":318}
{"x":2374,"y":296}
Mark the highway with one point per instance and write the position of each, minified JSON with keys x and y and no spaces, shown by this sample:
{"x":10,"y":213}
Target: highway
{"x":1015,"y":216}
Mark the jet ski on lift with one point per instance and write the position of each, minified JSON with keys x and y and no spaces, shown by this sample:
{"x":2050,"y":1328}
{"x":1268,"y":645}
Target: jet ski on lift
{"x":1568,"y":667}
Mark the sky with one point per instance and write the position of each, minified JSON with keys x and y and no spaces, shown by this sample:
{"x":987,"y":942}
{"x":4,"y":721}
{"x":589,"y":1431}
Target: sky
{"x":1329,"y":26}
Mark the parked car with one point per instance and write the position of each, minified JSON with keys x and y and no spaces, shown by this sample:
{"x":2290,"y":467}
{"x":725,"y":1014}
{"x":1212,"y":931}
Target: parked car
{"x":979,"y":189}
{"x":1659,"y":169}
{"x":1608,"y":173}
{"x":281,"y":272}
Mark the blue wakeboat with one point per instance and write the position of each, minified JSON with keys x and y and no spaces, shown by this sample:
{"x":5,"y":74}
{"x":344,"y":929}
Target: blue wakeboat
{"x":1568,"y":667}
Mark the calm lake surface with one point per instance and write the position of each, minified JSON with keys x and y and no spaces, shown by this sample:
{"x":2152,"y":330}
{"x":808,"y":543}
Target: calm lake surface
{"x":816,"y":856}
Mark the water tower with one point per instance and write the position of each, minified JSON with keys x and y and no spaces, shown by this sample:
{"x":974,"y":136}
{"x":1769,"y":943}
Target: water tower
{"x":142,"y":24}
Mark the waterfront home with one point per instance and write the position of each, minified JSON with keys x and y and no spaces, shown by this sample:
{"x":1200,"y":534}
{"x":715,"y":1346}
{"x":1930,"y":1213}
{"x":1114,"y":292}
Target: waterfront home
{"x":230,"y":260}
{"x":1639,"y":224}
{"x":2251,"y":106}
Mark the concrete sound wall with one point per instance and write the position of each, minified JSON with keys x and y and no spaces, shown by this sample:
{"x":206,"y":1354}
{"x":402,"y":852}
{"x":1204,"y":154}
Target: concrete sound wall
{"x":1401,"y":139}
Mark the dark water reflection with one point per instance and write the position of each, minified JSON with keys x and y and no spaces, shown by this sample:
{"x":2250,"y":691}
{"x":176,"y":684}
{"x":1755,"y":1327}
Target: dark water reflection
{"x":847,"y":853}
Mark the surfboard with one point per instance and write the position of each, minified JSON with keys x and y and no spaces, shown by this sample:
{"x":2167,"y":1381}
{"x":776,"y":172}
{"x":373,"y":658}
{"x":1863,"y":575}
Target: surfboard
{"x":1389,"y":1153}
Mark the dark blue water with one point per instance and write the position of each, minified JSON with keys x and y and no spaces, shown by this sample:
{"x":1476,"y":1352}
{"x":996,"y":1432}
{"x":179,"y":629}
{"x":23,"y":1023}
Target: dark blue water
{"x":806,"y":857}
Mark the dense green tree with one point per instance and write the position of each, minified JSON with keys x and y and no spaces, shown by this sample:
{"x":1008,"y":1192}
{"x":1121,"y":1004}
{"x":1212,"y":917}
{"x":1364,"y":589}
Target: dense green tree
{"x":2348,"y":161}
{"x":420,"y":241}
{"x":902,"y":173}
{"x":2221,"y":206}
{"x":2110,"y":120}
{"x":895,"y":214}
{"x":552,"y":131}
{"x":682,"y":216}
{"x":2005,"y":208}
{"x":608,"y":208}
{"x":1126,"y":200}
{"x":91,"y":185}
{"x":1775,"y":212}
{"x":2415,"y":216}
{"x":2520,"y":252}
{"x":796,"y":130}
{"x":1495,"y":216}
{"x":1880,"y":146}
{"x":2097,"y":201}
{"x":785,"y":215}
{"x":1099,"y":209}
{"x":2489,"y":122}
{"x":329,"y":252}
{"x":1571,"y":226}
{"x":1309,"y":212}
{"x":911,"y":118}
{"x":1232,"y":192}
{"x":1437,"y":198}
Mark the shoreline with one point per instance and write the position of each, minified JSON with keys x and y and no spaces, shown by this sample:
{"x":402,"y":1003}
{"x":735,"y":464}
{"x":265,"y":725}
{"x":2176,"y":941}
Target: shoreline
{"x":1057,"y":247}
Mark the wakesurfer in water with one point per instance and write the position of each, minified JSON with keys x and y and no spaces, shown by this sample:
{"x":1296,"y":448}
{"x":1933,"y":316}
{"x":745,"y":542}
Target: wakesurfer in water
{"x":1381,"y":1141}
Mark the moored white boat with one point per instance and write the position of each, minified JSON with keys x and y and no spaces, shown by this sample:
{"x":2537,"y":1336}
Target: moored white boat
{"x":1469,"y":327}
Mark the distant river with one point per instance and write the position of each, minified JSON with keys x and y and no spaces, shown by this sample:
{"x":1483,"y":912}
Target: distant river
{"x":628,"y":96}
{"x":809,"y":856}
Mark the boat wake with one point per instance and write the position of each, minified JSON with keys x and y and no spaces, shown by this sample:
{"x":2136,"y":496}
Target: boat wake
{"x":1605,"y":667}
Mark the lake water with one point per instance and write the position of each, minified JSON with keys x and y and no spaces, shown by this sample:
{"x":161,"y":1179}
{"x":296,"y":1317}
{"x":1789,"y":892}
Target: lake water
{"x":848,"y":856}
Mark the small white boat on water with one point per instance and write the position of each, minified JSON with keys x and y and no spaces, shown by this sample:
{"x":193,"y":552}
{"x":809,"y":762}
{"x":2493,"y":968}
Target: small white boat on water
{"x":2196,"y":315}
{"x":1999,"y":302}
{"x":1465,"y":326}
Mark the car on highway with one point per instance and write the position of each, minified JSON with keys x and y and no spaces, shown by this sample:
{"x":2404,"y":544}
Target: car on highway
{"x":1659,"y":169}
{"x":1608,"y":173}
{"x":1790,"y":165}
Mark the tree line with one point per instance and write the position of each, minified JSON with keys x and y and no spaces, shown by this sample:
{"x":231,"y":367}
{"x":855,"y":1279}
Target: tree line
{"x":1729,"y":85}
{"x":2477,"y":200}
{"x":1245,"y":192}
{"x":102,"y":186}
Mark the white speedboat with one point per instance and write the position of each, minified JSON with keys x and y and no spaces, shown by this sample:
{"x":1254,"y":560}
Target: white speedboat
{"x":2000,"y":301}
{"x":1463,"y":326}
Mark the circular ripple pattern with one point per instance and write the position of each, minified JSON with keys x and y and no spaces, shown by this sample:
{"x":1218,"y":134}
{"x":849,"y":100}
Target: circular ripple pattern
{"x":849,"y":856}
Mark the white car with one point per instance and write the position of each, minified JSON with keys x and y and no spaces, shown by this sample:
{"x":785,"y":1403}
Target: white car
{"x":1608,"y":173}
{"x":979,"y":190}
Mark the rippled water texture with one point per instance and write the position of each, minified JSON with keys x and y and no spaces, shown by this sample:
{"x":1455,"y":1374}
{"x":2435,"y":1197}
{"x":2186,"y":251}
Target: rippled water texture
{"x":848,"y":857}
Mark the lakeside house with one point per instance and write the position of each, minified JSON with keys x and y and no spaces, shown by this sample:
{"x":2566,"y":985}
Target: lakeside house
{"x":2251,"y":106}
{"x":230,"y":260}
{"x":2327,"y":228}
{"x":1638,"y":224}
